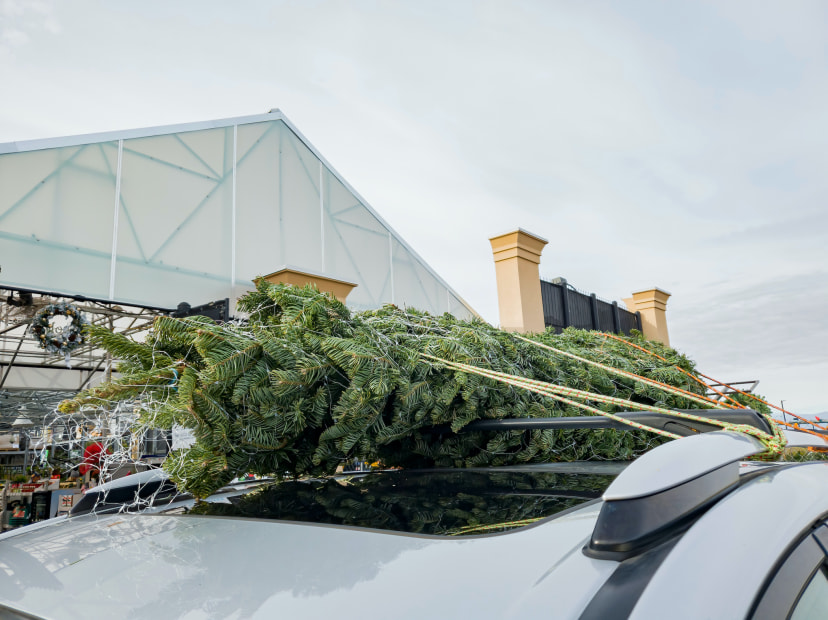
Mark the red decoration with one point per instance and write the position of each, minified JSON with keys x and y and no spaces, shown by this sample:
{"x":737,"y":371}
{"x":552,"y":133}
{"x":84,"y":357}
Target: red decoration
{"x":92,"y":457}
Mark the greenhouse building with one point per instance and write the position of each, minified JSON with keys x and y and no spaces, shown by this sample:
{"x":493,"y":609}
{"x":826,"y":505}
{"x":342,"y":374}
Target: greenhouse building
{"x":195,"y":213}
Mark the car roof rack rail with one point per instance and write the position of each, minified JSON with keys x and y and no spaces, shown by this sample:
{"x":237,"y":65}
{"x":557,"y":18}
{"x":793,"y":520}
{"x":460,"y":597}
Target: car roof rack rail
{"x":653,"y":419}
{"x":665,"y":489}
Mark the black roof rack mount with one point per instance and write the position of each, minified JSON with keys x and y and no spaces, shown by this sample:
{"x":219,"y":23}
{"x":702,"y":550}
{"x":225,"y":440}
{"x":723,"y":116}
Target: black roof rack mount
{"x":664,"y":490}
{"x":661,"y":421}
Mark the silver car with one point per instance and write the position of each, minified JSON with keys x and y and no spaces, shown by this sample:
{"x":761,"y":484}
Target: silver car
{"x":689,"y":530}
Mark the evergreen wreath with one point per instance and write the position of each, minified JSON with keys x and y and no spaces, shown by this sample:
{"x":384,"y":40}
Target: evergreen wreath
{"x":62,"y":340}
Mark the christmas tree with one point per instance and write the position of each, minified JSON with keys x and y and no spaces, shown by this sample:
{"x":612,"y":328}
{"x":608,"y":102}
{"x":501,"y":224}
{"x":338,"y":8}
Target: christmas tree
{"x":305,"y":384}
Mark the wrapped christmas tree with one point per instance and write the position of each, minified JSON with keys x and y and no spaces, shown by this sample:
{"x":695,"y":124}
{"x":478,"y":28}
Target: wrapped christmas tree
{"x":305,"y":384}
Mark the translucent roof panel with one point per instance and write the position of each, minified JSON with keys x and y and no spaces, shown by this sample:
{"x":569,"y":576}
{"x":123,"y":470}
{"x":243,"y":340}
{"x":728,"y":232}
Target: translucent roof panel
{"x":194,"y":213}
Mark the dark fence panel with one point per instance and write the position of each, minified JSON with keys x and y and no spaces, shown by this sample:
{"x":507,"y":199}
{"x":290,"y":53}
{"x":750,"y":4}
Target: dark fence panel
{"x":605,"y":321}
{"x":580,"y":314}
{"x":565,"y":306}
{"x":553,"y":314}
{"x":629,"y":321}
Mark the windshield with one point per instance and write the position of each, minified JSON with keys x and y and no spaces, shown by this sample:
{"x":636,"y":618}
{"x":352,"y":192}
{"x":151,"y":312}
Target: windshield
{"x":448,"y":503}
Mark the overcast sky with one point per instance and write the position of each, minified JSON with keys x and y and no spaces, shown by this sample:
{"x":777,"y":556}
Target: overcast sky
{"x":670,"y":144}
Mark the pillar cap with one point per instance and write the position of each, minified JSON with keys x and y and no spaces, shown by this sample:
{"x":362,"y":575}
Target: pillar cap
{"x":517,"y":243}
{"x":653,"y":289}
{"x":653,"y":295}
{"x":287,"y":274}
{"x":520,"y":230}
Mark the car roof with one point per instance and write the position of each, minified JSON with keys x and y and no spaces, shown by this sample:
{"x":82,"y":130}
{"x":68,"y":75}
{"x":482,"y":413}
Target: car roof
{"x":252,"y":567}
{"x":742,"y":537}
{"x":153,"y":566}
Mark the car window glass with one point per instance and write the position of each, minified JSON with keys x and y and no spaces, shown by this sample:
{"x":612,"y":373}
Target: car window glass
{"x":813,"y":604}
{"x":789,"y":581}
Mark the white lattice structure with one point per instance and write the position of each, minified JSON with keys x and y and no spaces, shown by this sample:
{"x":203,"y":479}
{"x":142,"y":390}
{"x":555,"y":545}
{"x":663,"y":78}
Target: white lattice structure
{"x":194,"y":213}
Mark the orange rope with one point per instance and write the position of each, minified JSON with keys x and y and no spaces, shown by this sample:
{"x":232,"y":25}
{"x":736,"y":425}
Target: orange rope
{"x":763,"y":401}
{"x":630,"y":375}
{"x":733,"y":404}
{"x":756,"y":398}
{"x":774,"y":442}
{"x":760,"y":400}
{"x":796,"y":427}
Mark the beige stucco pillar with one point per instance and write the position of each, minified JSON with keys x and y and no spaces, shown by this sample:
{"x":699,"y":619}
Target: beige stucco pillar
{"x":652,"y":304}
{"x":517,"y":255}
{"x":289,"y":275}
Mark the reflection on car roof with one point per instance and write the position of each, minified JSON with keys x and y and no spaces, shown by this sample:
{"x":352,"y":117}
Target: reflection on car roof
{"x":437,"y":502}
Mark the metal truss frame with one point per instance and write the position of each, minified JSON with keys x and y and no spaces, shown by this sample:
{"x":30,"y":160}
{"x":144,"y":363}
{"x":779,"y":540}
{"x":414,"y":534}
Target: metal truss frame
{"x":39,"y":380}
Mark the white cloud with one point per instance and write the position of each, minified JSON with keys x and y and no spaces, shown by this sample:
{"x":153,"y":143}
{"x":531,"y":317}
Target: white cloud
{"x":12,"y":8}
{"x":20,"y":20}
{"x":9,"y":37}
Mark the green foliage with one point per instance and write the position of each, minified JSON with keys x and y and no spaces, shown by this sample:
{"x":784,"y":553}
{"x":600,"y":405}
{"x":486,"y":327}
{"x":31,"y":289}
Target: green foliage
{"x":754,"y":401}
{"x":306,"y":385}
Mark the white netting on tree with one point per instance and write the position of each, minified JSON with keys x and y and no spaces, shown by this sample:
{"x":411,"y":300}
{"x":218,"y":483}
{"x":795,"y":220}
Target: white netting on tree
{"x":305,"y":385}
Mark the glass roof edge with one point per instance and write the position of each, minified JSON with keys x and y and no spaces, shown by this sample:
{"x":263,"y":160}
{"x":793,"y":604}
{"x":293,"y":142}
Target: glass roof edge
{"x":373,"y":212}
{"x":22,"y":146}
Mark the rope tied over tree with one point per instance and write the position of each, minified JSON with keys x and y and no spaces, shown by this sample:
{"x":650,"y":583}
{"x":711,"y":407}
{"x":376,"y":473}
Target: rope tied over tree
{"x":305,"y":385}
